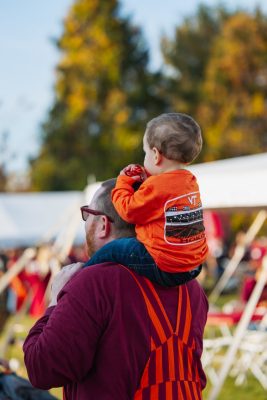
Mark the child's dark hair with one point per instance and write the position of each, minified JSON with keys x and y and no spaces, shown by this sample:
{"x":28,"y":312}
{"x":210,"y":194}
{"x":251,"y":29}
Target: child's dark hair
{"x":177,"y":136}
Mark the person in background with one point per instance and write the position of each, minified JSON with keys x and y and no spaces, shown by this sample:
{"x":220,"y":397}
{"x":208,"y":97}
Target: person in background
{"x":258,"y":250}
{"x":17,"y":290}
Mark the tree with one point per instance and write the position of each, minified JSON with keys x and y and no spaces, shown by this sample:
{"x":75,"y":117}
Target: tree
{"x":234,"y":110}
{"x":104,"y":96}
{"x":219,"y":61}
{"x":187,"y":55}
{"x":4,"y":158}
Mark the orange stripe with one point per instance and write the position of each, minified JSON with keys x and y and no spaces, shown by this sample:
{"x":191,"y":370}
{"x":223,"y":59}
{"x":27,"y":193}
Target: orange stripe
{"x":154,"y":392}
{"x":152,"y":344}
{"x":138,"y":395}
{"x":159,"y":371}
{"x":196,"y":392}
{"x":197,"y":374}
{"x":190,"y":364}
{"x":180,"y":393}
{"x":144,"y":379}
{"x":160,"y":304}
{"x":188,"y":318}
{"x":188,"y":393}
{"x":171,"y":359}
{"x":156,"y":323}
{"x":152,"y":313}
{"x":179,"y":307}
{"x":168,"y":390}
{"x":180,"y":356}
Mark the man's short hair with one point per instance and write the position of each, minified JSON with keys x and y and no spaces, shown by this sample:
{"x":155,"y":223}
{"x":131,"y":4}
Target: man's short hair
{"x":104,"y":203}
{"x":177,"y":136}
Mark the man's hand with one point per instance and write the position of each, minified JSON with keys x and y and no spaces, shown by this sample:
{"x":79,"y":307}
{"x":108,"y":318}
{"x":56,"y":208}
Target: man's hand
{"x":61,"y":279}
{"x":135,"y":171}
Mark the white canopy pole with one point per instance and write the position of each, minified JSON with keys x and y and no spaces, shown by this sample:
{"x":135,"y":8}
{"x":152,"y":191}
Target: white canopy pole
{"x":240,"y":331}
{"x":238,"y":255}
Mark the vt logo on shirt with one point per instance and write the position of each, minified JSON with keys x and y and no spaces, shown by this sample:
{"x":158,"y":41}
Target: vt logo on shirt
{"x":184,"y":219}
{"x":192,"y":199}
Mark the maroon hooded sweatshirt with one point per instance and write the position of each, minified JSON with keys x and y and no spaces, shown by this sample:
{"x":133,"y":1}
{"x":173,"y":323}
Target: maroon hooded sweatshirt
{"x":96,"y":341}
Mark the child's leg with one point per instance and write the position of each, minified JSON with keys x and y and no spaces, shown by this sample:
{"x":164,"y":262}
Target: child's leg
{"x":133,"y":254}
{"x":140,"y":261}
{"x":178,"y":278}
{"x":126,"y":251}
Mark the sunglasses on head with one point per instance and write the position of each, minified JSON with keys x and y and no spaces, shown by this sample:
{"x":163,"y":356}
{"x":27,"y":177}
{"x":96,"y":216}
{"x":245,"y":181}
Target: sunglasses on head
{"x":86,"y":211}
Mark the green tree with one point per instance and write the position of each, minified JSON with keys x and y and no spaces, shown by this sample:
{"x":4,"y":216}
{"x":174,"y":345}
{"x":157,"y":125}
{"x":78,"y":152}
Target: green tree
{"x":4,"y":159}
{"x":187,"y":55}
{"x":219,"y":75}
{"x":234,"y":110}
{"x":104,"y":96}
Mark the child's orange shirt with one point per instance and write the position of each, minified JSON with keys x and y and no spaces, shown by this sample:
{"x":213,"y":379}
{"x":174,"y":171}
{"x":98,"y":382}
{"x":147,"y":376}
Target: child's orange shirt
{"x":168,"y":217}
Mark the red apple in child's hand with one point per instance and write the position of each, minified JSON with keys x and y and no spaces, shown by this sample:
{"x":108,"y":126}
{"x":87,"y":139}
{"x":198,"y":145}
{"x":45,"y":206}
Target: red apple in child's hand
{"x":135,"y":171}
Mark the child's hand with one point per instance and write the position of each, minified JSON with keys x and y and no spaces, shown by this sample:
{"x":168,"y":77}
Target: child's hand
{"x":135,"y":171}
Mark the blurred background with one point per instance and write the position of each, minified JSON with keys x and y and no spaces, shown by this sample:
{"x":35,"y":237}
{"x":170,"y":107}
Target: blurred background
{"x":79,"y":81}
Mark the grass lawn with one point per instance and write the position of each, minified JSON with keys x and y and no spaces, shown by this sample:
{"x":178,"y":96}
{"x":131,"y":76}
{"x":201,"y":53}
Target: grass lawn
{"x":249,"y":391}
{"x":14,"y":351}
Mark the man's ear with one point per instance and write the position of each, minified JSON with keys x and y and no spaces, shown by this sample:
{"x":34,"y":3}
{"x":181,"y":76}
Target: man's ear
{"x":157,"y":156}
{"x":103,"y":227}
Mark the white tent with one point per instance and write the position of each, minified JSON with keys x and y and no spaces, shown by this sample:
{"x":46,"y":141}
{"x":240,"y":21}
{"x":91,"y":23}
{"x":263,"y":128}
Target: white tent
{"x":239,"y":182}
{"x":25,"y":218}
{"x":29,"y":218}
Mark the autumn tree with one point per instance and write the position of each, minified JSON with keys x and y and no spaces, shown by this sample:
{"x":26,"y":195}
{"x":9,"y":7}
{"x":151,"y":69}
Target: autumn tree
{"x":4,"y":158}
{"x":187,"y":54}
{"x":104,"y":95}
{"x":234,"y":110}
{"x":219,"y":75}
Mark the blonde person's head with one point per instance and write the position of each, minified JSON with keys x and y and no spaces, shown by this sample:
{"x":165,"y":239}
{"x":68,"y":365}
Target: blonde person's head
{"x":176,"y":136}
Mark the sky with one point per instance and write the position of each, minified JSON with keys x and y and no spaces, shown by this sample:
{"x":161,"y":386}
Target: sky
{"x":28,"y":59}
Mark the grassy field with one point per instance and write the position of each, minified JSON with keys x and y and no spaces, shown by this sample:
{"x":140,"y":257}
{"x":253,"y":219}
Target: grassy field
{"x":249,"y":391}
{"x":14,"y":350}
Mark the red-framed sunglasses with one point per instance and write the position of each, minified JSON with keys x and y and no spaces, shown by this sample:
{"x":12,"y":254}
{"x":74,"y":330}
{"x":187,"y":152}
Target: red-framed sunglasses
{"x":85,"y":210}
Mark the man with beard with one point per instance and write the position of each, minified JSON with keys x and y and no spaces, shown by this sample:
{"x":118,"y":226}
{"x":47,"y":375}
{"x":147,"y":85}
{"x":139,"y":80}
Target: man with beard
{"x":111,"y":334}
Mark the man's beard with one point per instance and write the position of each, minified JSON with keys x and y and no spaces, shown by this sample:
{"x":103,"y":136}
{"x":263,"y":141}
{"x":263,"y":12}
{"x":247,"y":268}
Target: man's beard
{"x":90,"y":240}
